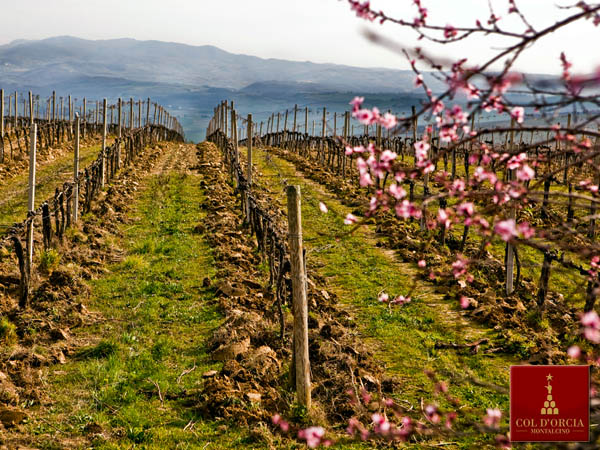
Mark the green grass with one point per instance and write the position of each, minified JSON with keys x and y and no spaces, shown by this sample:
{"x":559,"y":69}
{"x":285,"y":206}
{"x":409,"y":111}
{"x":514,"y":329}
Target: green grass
{"x":404,"y":337}
{"x":562,"y":280}
{"x":49,"y":176}
{"x":49,"y":260}
{"x":158,"y":318}
{"x":8,"y":333}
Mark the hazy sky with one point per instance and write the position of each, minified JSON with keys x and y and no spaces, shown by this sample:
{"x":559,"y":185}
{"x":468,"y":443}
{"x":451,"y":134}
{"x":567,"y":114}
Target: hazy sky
{"x":315,"y":30}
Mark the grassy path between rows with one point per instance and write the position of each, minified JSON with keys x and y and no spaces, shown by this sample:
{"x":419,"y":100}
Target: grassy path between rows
{"x":134,"y":384}
{"x":404,"y":337}
{"x":49,"y":176}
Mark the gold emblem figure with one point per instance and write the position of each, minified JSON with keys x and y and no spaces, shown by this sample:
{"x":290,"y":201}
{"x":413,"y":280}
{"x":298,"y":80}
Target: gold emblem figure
{"x":549,"y":405}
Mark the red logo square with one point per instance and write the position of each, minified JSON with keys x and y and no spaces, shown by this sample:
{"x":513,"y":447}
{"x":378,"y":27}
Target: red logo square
{"x":550,"y":403}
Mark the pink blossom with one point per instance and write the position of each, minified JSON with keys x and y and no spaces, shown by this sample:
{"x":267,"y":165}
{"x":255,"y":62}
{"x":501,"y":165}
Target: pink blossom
{"x":431,"y":412}
{"x":388,"y":120}
{"x":365,"y":179}
{"x":458,"y":185}
{"x":466,"y":209}
{"x":518,"y":113}
{"x":381,"y":424}
{"x":590,"y":319}
{"x":591,"y":324}
{"x":387,"y":156}
{"x":592,"y":335}
{"x":465,"y":302}
{"x":448,"y":134}
{"x":418,"y":81}
{"x":506,"y":229}
{"x":350,"y":219}
{"x":312,"y":435}
{"x":383,"y":297}
{"x":351,"y":150}
{"x":364,"y":116}
{"x":481,"y":175}
{"x":363,"y":10}
{"x":397,"y":191}
{"x":421,"y":149}
{"x":492,"y":418}
{"x":401,"y":300}
{"x":472,"y":92}
{"x":450,"y":32}
{"x":357,"y":103}
{"x":422,"y":263}
{"x":516,"y":161}
{"x":526,"y":230}
{"x":574,"y":352}
{"x":443,"y":218}
{"x":459,"y":267}
{"x":437,"y":106}
{"x":282,"y":424}
{"x":457,"y":114}
{"x":407,"y":209}
{"x":323,"y":207}
{"x":525,"y":173}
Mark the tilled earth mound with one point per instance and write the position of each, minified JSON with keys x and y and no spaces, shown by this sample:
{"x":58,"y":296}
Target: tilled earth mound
{"x":511,"y":316}
{"x":255,"y":381}
{"x":33,"y":338}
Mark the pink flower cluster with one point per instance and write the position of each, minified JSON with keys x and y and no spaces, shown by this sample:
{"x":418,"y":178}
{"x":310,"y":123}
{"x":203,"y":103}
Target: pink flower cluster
{"x":422,"y":156}
{"x":381,"y":427}
{"x":363,"y":10}
{"x":279,"y":422}
{"x":508,"y":229}
{"x":400,"y":300}
{"x":420,"y":20}
{"x":314,"y":436}
{"x":492,"y":418}
{"x":372,"y":116}
{"x":591,"y":326}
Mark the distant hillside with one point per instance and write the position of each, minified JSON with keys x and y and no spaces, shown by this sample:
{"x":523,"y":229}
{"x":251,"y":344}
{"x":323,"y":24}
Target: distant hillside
{"x":191,"y":80}
{"x":38,"y":63}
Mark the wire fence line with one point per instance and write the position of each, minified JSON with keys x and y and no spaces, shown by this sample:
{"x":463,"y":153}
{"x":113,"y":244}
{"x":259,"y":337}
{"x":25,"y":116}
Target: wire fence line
{"x":74,"y":197}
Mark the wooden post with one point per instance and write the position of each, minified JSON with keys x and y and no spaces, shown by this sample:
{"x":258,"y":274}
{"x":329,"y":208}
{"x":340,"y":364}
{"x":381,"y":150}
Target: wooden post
{"x":53,"y":106}
{"x":84,"y":117}
{"x":76,"y":171}
{"x":103,"y":167}
{"x":295,"y":114}
{"x":17,"y":108}
{"x":119,"y":132}
{"x":232,"y":125}
{"x":300,"y":305}
{"x":335,"y":127}
{"x":148,"y":112}
{"x":323,"y":135}
{"x":130,"y":113}
{"x":226,"y":131}
{"x":249,"y":147}
{"x":510,"y":251}
{"x":306,"y":120}
{"x":31,"y":199}
{"x":235,"y":135}
{"x":30,"y":108}
{"x":1,"y":113}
